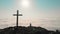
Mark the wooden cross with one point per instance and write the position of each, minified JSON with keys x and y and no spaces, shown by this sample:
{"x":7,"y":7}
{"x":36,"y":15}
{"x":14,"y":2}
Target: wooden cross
{"x":17,"y":17}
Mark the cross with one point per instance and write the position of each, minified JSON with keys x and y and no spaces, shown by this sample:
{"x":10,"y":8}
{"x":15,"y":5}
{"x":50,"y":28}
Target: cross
{"x":17,"y":17}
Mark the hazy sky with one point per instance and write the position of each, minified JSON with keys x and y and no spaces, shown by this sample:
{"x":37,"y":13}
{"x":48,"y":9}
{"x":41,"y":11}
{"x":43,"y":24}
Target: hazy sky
{"x":44,"y":13}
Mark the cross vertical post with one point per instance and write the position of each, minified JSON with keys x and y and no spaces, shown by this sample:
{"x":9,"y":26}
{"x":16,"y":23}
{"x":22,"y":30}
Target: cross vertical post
{"x":17,"y":19}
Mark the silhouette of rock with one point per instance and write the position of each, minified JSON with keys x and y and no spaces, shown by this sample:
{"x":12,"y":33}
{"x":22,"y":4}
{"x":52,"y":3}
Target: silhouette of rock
{"x":27,"y":30}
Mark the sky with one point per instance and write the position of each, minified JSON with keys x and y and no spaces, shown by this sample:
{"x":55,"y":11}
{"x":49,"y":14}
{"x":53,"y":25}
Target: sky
{"x":43,"y":13}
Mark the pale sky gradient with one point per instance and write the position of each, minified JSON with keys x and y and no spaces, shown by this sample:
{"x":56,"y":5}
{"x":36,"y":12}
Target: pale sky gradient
{"x":44,"y":13}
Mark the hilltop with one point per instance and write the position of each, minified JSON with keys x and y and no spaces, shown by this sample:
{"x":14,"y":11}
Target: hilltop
{"x":26,"y":30}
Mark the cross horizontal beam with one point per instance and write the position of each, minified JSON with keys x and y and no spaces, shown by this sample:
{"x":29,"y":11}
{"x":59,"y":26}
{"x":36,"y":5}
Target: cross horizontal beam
{"x":16,"y":14}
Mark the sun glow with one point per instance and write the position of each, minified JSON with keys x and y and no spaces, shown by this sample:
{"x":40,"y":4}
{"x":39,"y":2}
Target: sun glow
{"x":25,"y":3}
